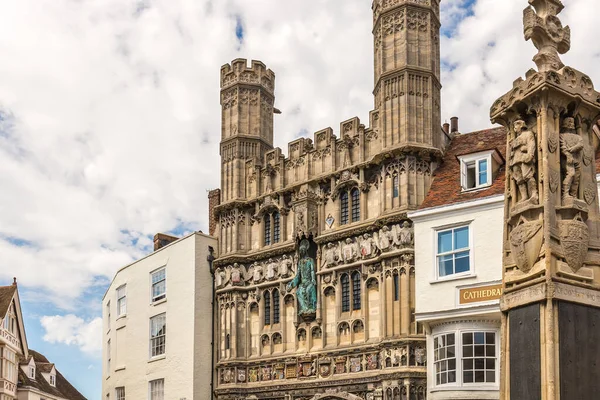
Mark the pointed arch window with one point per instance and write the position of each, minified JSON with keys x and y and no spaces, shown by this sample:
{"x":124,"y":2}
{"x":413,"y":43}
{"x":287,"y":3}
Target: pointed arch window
{"x":345,"y":293}
{"x":356,"y":291}
{"x":267,"y":308}
{"x":395,"y":187}
{"x":272,"y":232}
{"x":275,"y":306}
{"x":396,"y":287}
{"x":349,"y":206}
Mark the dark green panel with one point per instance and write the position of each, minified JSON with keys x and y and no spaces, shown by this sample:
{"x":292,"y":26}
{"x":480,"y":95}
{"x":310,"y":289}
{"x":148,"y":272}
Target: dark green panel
{"x":579,"y":340}
{"x":525,"y":367}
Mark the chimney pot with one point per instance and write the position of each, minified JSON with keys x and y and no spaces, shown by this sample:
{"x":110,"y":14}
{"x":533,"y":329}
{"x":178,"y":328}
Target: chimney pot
{"x":454,"y":125}
{"x":446,"y":128}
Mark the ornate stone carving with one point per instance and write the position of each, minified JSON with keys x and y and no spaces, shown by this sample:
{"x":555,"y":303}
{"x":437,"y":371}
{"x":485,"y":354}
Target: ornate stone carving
{"x":575,"y":239}
{"x":305,"y":282}
{"x":405,"y":235}
{"x":571,"y":150}
{"x":522,"y":162}
{"x":546,"y":32}
{"x":349,"y":251}
{"x":331,"y":255}
{"x":526,"y":242}
{"x":589,"y":193}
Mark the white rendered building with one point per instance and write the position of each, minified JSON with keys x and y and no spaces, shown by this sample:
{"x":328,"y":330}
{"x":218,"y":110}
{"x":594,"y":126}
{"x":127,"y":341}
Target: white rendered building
{"x":458,"y":262}
{"x":157,"y":331}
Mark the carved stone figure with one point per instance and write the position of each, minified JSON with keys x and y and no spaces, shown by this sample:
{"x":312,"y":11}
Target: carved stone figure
{"x":571,"y":150}
{"x":331,"y":257}
{"x":405,"y":235}
{"x":285,"y":266}
{"x":236,"y":274}
{"x":220,"y":277}
{"x":306,"y":283}
{"x":349,"y":252}
{"x":522,"y":162}
{"x":368,"y":246}
{"x":257,"y":275}
{"x":386,"y":238}
{"x":271,"y":269}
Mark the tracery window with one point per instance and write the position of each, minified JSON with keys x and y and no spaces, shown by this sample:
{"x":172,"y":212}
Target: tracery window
{"x":275,"y":306}
{"x":347,"y":288}
{"x":272,"y":232}
{"x":267,"y":308}
{"x":349,"y":206}
{"x":395,"y":186}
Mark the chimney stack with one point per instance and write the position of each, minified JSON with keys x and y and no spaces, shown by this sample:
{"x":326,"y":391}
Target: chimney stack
{"x":454,"y":125}
{"x":161,"y":240}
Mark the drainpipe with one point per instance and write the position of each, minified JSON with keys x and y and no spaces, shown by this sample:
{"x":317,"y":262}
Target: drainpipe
{"x":210,"y":258}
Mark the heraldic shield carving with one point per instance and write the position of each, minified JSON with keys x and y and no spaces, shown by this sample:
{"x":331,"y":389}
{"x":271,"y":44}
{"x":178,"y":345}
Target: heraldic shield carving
{"x":575,"y":238}
{"x":526,"y":242}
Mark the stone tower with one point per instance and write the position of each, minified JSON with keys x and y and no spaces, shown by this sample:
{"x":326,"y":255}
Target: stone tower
{"x":551,"y":273}
{"x":407,"y":79}
{"x":247,"y":98}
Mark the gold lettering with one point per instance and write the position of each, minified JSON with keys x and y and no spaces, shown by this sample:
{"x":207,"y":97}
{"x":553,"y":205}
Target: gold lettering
{"x":486,"y":293}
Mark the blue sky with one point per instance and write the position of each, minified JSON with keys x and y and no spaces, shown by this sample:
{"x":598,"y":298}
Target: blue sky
{"x":110,"y":124}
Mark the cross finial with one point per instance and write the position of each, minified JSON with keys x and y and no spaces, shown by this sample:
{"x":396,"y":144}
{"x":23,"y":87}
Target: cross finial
{"x":545,"y":30}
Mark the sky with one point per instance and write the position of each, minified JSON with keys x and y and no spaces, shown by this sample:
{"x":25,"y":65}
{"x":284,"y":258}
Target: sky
{"x":110,"y":124}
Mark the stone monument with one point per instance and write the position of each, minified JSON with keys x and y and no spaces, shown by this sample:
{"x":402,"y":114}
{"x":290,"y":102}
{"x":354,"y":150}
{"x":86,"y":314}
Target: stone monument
{"x":551,"y":272}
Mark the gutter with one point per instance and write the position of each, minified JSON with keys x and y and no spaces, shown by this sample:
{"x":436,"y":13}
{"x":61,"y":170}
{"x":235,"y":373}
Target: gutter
{"x":210,"y":258}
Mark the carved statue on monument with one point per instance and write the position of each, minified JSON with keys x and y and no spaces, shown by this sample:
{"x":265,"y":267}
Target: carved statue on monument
{"x":405,"y":234}
{"x":306,"y":283}
{"x":571,"y":150}
{"x":522,"y":162}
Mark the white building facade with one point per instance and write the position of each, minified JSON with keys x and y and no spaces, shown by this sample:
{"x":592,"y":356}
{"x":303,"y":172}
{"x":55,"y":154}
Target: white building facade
{"x":458,"y":262}
{"x":157,"y":324}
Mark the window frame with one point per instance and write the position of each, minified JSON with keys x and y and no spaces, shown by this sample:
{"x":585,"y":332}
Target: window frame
{"x":151,"y":393}
{"x":475,"y":158}
{"x":276,"y":307}
{"x":459,"y":357}
{"x":267,"y":298}
{"x":122,"y":300}
{"x":31,"y":371}
{"x":351,"y":287}
{"x":163,"y":295}
{"x":471,"y":271}
{"x":157,"y":337}
{"x":120,"y":393}
{"x":53,"y":378}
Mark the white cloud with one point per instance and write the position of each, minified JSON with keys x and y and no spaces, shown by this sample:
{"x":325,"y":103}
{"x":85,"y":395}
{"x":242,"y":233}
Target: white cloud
{"x":110,"y":116}
{"x":74,"y":331}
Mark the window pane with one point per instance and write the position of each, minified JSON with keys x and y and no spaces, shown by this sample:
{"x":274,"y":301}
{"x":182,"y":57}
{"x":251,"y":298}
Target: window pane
{"x":479,"y":376}
{"x":158,"y":276}
{"x":462,"y":262}
{"x":461,"y":238}
{"x":479,"y":338}
{"x":490,"y":338}
{"x":468,"y":377}
{"x":467,"y":351}
{"x":450,"y":339}
{"x":444,"y":242}
{"x":490,"y":376}
{"x":471,"y":175}
{"x":483,"y":172}
{"x":451,"y":376}
{"x":479,"y":351}
{"x":446,"y":265}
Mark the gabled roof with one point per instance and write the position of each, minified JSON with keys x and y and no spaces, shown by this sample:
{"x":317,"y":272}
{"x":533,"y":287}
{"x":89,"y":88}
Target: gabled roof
{"x":446,"y":187}
{"x":6,"y":295}
{"x":63,"y":388}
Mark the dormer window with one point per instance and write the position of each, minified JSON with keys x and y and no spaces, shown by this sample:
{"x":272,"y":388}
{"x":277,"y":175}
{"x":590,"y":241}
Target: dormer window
{"x":31,"y":372}
{"x":53,"y":380}
{"x":477,"y":169}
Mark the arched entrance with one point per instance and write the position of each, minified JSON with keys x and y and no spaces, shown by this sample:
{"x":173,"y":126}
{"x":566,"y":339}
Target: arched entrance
{"x":336,"y":396}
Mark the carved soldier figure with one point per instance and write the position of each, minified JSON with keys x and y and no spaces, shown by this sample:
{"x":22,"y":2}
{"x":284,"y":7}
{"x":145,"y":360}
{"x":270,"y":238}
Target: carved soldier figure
{"x":405,"y":235}
{"x":386,"y":238}
{"x":285,"y":266}
{"x":349,"y":250}
{"x":571,"y":149}
{"x":271,"y":269}
{"x":331,"y":257}
{"x":522,"y":163}
{"x":368,"y":246}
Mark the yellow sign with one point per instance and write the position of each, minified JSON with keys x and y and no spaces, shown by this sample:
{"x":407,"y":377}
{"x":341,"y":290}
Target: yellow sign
{"x":482,"y":293}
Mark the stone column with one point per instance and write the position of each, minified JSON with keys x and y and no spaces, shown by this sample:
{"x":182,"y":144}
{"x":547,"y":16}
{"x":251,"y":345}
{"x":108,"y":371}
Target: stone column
{"x":551,"y":273}
{"x":405,"y":300}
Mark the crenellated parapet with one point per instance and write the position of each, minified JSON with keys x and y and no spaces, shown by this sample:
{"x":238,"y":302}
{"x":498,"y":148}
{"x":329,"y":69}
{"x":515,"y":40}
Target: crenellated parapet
{"x":238,"y":72}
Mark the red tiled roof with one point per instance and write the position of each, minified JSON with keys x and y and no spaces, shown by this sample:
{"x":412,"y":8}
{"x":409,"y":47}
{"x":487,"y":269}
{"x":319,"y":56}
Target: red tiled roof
{"x":446,"y":187}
